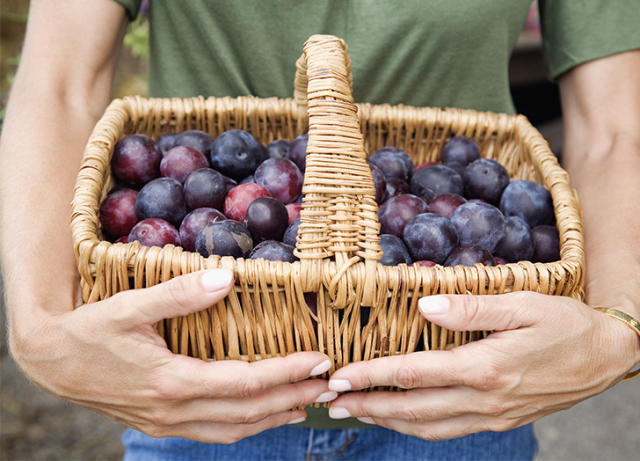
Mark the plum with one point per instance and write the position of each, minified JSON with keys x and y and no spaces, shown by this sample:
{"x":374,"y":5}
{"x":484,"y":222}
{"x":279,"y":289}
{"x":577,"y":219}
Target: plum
{"x":205,"y":188}
{"x":224,"y":238}
{"x":273,"y":250}
{"x":529,"y":201}
{"x":266,"y":219}
{"x":293,"y":210}
{"x":180,"y":161}
{"x":394,"y":251}
{"x":154,"y":232}
{"x":162,"y":198}
{"x":136,"y":160}
{"x":279,"y":148}
{"x":398,"y":210}
{"x":517,"y":244}
{"x":445,"y":204}
{"x":485,"y":179}
{"x":429,"y":236}
{"x":240,"y":197}
{"x":435,"y":180}
{"x":546,"y":242}
{"x":396,"y":186}
{"x":479,"y":224}
{"x":298,"y":151}
{"x":393,"y":162}
{"x":281,"y":177}
{"x":469,"y":255}
{"x":379,"y":183}
{"x":166,"y":142}
{"x":460,"y":149}
{"x":193,"y":223}
{"x":118,"y":212}
{"x":197,"y":139}
{"x":236,"y":153}
{"x":291,"y":233}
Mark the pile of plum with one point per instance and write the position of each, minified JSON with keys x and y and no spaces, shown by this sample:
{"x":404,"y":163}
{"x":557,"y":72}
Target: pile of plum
{"x":232,"y":196}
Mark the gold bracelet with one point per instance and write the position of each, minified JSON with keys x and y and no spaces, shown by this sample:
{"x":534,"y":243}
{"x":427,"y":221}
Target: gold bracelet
{"x":631,"y":322}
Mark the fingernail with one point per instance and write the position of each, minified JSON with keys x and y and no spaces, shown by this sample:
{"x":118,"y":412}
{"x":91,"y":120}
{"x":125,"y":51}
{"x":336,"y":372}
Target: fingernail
{"x":434,"y":305}
{"x":216,"y":279}
{"x":320,"y":368}
{"x":326,"y":397}
{"x":339,"y":413}
{"x":297,"y":420}
{"x":366,"y":420}
{"x":339,"y":385}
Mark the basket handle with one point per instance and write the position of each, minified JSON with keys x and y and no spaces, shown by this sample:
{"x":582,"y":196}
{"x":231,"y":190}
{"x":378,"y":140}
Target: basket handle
{"x":339,"y":213}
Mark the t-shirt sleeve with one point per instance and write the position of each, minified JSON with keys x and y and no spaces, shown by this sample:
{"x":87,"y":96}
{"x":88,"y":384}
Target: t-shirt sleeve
{"x":577,"y":31}
{"x":131,"y":6}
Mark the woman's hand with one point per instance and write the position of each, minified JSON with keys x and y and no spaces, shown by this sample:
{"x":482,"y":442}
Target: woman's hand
{"x":546,"y":354}
{"x":109,"y":358}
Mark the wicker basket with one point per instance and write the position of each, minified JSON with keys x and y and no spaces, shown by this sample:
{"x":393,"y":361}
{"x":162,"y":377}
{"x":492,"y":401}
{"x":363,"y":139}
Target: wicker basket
{"x":266,"y":314}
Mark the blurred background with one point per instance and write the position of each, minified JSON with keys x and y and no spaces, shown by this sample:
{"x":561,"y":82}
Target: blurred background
{"x":36,"y":426}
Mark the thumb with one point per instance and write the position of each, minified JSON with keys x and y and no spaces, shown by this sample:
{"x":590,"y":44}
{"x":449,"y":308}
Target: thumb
{"x":481,"y":312}
{"x":177,"y":297}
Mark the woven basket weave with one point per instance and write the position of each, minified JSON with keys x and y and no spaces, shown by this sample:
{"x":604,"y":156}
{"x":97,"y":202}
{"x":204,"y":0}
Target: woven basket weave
{"x":266,"y":314}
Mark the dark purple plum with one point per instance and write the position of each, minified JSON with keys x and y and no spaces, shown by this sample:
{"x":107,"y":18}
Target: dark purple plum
{"x":458,"y":168}
{"x":379,"y":183}
{"x":498,"y":261}
{"x":249,"y":178}
{"x":468,"y":255}
{"x":298,"y":151}
{"x":445,"y":204}
{"x":460,"y":149}
{"x":123,"y":239}
{"x":197,"y":139}
{"x":266,"y":219}
{"x":396,"y":186}
{"x":293,"y":209}
{"x":394,"y":251}
{"x":517,"y":244}
{"x":281,"y":177}
{"x":485,"y":179}
{"x":240,"y":197}
{"x":279,"y":148}
{"x":430,"y":236}
{"x":166,"y":142}
{"x":136,"y":160}
{"x":224,"y":238}
{"x":162,"y":198}
{"x":291,"y":233}
{"x":236,"y":153}
{"x":273,"y":250}
{"x":398,"y":211}
{"x":118,"y":212}
{"x":393,"y":162}
{"x":180,"y":161}
{"x":479,"y":224}
{"x":528,"y":200}
{"x":546,"y":243}
{"x":229,"y":183}
{"x":205,"y":188}
{"x":154,"y":232}
{"x":435,"y":180}
{"x":193,"y":223}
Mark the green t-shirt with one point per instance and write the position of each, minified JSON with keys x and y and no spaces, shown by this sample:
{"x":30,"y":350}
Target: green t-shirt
{"x":418,"y":52}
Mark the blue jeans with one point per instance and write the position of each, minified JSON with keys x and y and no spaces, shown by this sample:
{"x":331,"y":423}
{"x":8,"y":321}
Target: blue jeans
{"x":298,"y":443}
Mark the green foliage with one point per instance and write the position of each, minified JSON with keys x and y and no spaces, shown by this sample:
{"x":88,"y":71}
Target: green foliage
{"x":137,"y":38}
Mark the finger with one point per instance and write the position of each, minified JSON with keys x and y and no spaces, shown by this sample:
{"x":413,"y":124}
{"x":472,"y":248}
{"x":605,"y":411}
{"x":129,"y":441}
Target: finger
{"x":457,"y":426}
{"x":495,"y":312}
{"x":414,"y":406}
{"x":253,"y":409}
{"x":227,"y":433}
{"x":188,"y":378}
{"x":177,"y":297}
{"x":416,"y":370}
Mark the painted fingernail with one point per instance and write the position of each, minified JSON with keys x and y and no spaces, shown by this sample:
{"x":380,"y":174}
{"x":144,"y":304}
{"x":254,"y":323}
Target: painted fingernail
{"x":320,"y":368}
{"x":297,"y":420}
{"x":339,"y":413}
{"x":366,"y":420}
{"x":216,"y":279}
{"x":326,"y":397}
{"x":339,"y":385}
{"x":434,"y":305}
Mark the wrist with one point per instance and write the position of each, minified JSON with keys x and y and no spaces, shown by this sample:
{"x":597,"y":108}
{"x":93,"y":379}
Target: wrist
{"x":622,"y":334}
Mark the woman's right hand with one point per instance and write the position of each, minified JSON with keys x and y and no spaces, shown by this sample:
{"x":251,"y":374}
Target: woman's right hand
{"x":108,"y":357}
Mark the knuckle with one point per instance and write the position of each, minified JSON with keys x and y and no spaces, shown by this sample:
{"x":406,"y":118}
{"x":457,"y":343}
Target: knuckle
{"x":250,"y":387}
{"x":232,"y":436}
{"x":486,"y":378}
{"x":406,"y":376}
{"x":253,"y":415}
{"x":177,"y":291}
{"x":472,"y":306}
{"x":497,"y":409}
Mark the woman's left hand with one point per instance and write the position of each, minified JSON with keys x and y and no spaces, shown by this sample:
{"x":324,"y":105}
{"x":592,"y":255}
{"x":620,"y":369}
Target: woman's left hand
{"x":546,"y":353}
